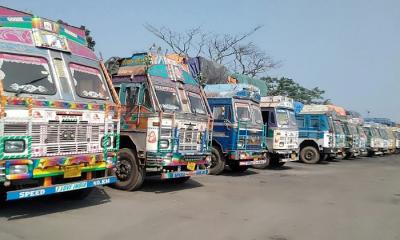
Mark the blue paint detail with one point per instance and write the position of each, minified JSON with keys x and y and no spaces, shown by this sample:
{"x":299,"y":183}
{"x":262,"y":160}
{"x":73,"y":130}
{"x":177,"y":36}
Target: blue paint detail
{"x":312,"y":126}
{"x":226,"y":132}
{"x":67,"y":187}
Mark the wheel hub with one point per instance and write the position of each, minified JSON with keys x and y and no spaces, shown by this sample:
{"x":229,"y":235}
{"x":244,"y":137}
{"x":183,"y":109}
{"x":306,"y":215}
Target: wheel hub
{"x":124,"y":170}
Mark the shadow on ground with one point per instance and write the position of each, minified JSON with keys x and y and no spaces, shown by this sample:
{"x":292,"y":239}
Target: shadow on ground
{"x":157,"y":185}
{"x":35,"y":207}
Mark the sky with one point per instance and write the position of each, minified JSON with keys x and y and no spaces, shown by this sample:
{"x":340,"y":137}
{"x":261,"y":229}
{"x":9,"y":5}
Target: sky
{"x":350,"y":48}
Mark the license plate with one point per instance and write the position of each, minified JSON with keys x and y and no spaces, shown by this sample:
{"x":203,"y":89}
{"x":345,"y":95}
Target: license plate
{"x":191,"y":166}
{"x":72,"y":171}
{"x":293,"y":156}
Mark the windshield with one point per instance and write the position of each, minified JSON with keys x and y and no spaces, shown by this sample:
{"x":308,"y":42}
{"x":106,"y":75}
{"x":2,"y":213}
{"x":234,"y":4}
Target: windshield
{"x":292,"y":117}
{"x":353,"y":129}
{"x":257,"y":117}
{"x":282,"y":117}
{"x":243,"y":112}
{"x":196,"y":103}
{"x":361,"y":132}
{"x":375,"y":132}
{"x":88,"y":82}
{"x":23,"y":74}
{"x":338,"y":128}
{"x":168,"y":98}
{"x":382,"y":133}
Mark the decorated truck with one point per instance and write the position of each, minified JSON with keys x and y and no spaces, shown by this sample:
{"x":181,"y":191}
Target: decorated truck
{"x":340,"y":139}
{"x":59,"y":120}
{"x":352,"y":149}
{"x":165,"y":123}
{"x":282,"y":133}
{"x":374,"y":141}
{"x":316,"y":133}
{"x":238,"y":134}
{"x":385,"y":138}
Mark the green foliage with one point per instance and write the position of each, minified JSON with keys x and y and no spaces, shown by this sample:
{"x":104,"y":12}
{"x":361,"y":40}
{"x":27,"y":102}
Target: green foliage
{"x":288,"y":87}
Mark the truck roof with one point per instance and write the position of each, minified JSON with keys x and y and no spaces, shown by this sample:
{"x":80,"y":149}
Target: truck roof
{"x":238,"y":91}
{"x":25,"y":28}
{"x":277,"y":101}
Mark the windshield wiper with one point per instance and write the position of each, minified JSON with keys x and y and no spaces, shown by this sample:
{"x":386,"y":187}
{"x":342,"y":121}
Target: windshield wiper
{"x":31,"y":82}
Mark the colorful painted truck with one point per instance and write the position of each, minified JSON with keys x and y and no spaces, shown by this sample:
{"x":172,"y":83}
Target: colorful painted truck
{"x":396,"y":132}
{"x":282,"y":132}
{"x":316,"y":133}
{"x":165,"y":123}
{"x":238,"y":134}
{"x":59,"y":122}
{"x":391,"y":140}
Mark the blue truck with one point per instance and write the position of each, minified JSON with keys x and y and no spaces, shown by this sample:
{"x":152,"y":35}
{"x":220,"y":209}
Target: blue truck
{"x":316,"y":133}
{"x":239,"y":133}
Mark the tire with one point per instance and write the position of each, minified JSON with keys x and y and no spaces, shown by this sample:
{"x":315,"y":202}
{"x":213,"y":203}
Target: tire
{"x":217,"y":162}
{"x":309,"y":155}
{"x":78,"y":194}
{"x":262,"y":166}
{"x":235,"y":167}
{"x":324,"y":157}
{"x":275,"y":162}
{"x":178,"y":180}
{"x":129,"y":173}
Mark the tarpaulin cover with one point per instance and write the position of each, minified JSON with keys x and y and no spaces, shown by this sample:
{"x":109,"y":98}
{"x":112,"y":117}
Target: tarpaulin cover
{"x":298,"y":106}
{"x":260,"y":84}
{"x":207,"y":71}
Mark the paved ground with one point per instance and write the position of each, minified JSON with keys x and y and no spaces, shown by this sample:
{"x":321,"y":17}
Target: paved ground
{"x":351,"y":199}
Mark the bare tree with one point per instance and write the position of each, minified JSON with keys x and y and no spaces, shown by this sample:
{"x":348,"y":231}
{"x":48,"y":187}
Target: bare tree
{"x":251,"y":60}
{"x":230,"y":50}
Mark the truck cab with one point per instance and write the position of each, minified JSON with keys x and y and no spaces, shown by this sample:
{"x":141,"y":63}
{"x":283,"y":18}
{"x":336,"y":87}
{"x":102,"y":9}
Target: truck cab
{"x":238,"y":134}
{"x":363,"y":140}
{"x":352,"y":149}
{"x":340,"y":138}
{"x":282,"y":133}
{"x":316,"y":135}
{"x":59,"y":115}
{"x":165,"y":124}
{"x":385,"y":139}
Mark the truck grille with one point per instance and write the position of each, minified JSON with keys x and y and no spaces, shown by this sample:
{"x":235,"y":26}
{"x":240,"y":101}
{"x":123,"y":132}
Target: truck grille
{"x":69,"y":137}
{"x":188,"y":139}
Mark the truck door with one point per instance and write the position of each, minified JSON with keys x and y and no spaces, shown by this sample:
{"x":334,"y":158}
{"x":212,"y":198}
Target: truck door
{"x":222,"y":115}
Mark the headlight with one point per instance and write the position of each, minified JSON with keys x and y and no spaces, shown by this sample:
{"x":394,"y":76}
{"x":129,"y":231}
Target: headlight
{"x":281,"y":144}
{"x":164,"y":143}
{"x":14,"y":146}
{"x":106,"y":142}
{"x":18,"y":169}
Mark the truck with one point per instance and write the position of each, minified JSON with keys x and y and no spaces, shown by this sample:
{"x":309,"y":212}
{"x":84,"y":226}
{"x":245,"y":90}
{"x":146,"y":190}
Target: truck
{"x":352,"y":149}
{"x":282,"y":135}
{"x":396,"y":132}
{"x":340,"y":139}
{"x":385,"y":138}
{"x":239,"y":133}
{"x":316,"y":133}
{"x":59,"y":116}
{"x":391,"y":140}
{"x":165,"y":124}
{"x":374,"y":142}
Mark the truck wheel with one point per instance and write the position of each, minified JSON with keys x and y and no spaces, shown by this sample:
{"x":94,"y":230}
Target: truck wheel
{"x":217,"y":162}
{"x":129,"y":173}
{"x":78,"y":194}
{"x":309,"y":155}
{"x":234,"y":166}
{"x":262,"y":166}
{"x":275,"y":163}
{"x":178,"y":180}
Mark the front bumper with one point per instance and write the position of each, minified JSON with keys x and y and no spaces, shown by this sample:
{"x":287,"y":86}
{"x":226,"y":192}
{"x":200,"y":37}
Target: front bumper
{"x":181,"y":174}
{"x":59,"y":188}
{"x":330,"y":151}
{"x":176,"y":159}
{"x":55,"y":166}
{"x":287,"y":155}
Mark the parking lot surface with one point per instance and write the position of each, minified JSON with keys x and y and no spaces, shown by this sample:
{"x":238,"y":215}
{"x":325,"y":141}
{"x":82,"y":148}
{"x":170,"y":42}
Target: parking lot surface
{"x":348,"y":199}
